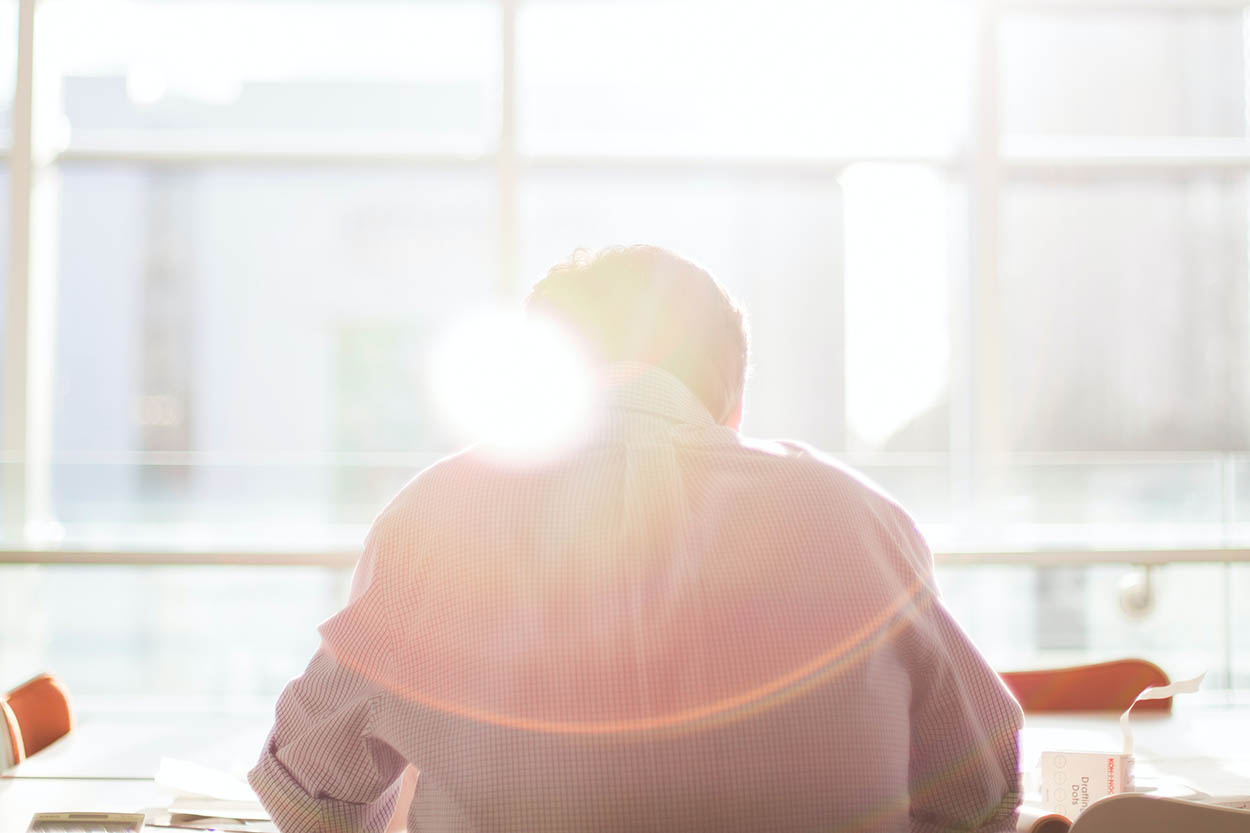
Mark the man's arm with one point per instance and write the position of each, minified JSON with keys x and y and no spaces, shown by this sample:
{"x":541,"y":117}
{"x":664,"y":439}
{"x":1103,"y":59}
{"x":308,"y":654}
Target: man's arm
{"x":964,"y":734}
{"x":323,"y":770}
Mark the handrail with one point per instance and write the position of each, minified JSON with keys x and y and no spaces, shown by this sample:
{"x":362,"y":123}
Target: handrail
{"x":346,"y":557}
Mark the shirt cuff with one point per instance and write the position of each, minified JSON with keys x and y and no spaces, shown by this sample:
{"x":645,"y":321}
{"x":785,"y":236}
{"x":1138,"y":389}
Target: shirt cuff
{"x":293,"y":810}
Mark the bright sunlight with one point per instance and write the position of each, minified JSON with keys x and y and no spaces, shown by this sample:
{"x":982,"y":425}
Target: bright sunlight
{"x":520,"y":385}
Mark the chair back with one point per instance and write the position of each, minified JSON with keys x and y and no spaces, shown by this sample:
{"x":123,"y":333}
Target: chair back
{"x":41,"y":710}
{"x":1141,"y":813}
{"x":1103,"y":686}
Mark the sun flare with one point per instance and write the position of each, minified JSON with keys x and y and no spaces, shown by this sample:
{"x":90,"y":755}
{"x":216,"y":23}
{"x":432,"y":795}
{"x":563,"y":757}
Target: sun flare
{"x":520,"y":385}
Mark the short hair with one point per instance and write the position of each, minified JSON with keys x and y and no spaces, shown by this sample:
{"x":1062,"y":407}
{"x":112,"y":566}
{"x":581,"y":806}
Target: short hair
{"x":644,"y":303}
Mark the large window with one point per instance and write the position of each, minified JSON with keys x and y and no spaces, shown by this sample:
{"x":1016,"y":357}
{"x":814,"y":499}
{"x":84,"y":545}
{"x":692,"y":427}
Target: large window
{"x":993,"y":253}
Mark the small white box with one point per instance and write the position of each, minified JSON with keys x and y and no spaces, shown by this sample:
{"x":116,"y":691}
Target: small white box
{"x":1071,"y":781}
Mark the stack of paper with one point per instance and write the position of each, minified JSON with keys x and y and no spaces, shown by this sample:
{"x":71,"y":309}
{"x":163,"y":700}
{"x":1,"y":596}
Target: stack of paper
{"x":207,"y":798}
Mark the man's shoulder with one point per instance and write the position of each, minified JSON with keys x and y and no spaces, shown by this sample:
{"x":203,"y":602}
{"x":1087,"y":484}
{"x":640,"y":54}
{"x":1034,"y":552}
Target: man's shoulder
{"x":448,"y":478}
{"x":809,"y":487}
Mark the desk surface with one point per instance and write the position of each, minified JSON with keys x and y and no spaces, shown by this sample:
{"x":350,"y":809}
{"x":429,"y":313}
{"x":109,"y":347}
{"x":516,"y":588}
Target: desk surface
{"x":131,"y":744}
{"x":21,"y":798}
{"x":1205,"y":745}
{"x":110,"y":760}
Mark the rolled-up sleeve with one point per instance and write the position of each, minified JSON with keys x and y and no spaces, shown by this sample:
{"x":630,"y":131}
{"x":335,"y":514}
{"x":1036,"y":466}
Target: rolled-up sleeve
{"x":964,"y":724}
{"x":964,"y":735}
{"x":323,"y":768}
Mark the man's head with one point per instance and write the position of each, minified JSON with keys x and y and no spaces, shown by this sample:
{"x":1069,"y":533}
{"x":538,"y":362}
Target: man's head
{"x":643,"y":303}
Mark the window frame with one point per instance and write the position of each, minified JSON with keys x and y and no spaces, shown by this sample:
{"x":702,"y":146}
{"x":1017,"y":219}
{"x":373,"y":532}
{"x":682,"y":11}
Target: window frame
{"x":990,"y":160}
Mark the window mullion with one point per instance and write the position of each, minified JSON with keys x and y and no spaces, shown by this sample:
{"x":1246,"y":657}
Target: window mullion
{"x":982,"y":436}
{"x":506,"y":153}
{"x":30,"y":339}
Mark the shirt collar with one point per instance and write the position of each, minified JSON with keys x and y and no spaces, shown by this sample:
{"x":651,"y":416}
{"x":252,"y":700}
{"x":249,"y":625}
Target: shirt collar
{"x":640,"y":387}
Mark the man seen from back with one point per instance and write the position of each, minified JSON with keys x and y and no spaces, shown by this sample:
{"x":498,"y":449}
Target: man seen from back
{"x":665,"y":627}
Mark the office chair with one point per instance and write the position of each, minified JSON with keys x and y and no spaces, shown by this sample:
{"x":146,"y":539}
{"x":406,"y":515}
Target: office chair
{"x":1141,"y":813}
{"x":1103,"y":686}
{"x":35,"y":714}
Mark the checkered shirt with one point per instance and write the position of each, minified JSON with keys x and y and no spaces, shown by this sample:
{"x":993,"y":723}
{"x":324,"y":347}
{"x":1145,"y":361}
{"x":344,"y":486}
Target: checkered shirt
{"x":671,"y":628}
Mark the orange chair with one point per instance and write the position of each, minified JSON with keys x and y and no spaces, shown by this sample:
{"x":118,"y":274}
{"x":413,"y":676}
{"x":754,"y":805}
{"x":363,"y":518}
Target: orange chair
{"x":36,"y":714}
{"x":1104,"y":686}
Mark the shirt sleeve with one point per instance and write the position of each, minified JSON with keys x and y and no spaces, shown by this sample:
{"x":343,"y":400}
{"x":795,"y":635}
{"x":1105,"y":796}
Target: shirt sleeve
{"x":965,"y":725}
{"x":323,"y":769}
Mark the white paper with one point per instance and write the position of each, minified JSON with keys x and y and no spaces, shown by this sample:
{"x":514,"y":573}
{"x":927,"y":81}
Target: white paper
{"x":217,"y":808}
{"x":184,"y":778}
{"x":1155,"y":692}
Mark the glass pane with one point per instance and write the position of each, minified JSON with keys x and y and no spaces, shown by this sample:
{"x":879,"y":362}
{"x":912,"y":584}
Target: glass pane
{"x":1126,"y":316}
{"x":8,"y":66}
{"x":1237,"y":482}
{"x":147,"y":632}
{"x":241,"y":349}
{"x":427,"y":72}
{"x":1125,"y":384}
{"x":1239,"y":626}
{"x":1036,"y":617}
{"x":742,"y":78}
{"x":899,"y":226}
{"x":1092,"y":500}
{"x":1162,"y":72}
{"x":10,"y":528}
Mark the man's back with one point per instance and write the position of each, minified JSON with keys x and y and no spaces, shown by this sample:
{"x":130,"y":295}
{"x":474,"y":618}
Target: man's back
{"x":668,"y":628}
